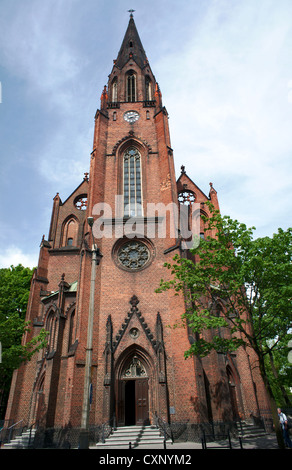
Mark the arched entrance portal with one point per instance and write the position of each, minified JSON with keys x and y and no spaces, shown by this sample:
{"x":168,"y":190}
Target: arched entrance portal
{"x":133,"y":391}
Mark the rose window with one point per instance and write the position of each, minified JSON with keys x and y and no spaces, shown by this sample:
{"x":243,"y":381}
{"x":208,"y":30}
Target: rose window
{"x":133,"y":255}
{"x":186,"y":197}
{"x":81,"y":203}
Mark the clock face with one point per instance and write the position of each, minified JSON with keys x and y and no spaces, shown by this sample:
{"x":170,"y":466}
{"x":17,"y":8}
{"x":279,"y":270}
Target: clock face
{"x":131,"y":116}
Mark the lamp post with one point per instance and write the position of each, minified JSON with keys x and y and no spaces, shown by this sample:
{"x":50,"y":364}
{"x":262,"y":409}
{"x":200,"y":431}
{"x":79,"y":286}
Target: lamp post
{"x":95,"y":260}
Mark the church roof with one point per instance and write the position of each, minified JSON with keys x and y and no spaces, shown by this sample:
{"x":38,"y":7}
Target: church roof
{"x":72,"y":288}
{"x":131,"y":47}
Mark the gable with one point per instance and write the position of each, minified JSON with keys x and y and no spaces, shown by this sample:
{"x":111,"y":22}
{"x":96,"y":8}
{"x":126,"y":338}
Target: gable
{"x":184,"y":183}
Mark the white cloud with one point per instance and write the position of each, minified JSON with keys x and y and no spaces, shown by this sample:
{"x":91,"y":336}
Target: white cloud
{"x":229,"y":108}
{"x":35,"y":48}
{"x":225,"y":72}
{"x":38,"y":47}
{"x":66,"y":158}
{"x":12,"y":256}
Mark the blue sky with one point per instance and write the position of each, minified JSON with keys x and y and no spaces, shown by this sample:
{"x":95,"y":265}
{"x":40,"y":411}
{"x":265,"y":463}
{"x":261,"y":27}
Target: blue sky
{"x":225,"y":71}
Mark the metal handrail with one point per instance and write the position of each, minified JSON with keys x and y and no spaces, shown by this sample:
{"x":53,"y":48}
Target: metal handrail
{"x":159,"y":423}
{"x":30,"y":431}
{"x":15,"y":424}
{"x":108,"y":423}
{"x":10,"y":429}
{"x":217,"y":437}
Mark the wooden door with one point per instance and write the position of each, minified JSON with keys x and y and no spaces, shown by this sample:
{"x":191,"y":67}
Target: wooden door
{"x":142,"y":401}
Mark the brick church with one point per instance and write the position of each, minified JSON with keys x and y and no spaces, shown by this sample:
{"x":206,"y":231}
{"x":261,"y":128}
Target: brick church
{"x":112,"y":354}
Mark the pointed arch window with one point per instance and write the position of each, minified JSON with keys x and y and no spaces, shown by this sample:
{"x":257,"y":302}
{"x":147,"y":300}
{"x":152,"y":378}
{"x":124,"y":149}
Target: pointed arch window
{"x":71,"y":329}
{"x":131,"y":91}
{"x":132,"y":183}
{"x":51,"y":327}
{"x":115,"y":90}
{"x":70,"y":232}
{"x":148,"y":89}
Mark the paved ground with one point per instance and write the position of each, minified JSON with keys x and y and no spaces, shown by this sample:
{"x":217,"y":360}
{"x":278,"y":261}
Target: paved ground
{"x":266,"y":442}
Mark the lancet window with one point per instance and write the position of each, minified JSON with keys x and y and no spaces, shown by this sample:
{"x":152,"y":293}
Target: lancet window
{"x":132,"y":183}
{"x":51,"y":326}
{"x":70,"y":232}
{"x":131,"y":91}
{"x":148,"y":89}
{"x":115,"y":90}
{"x":71,"y":329}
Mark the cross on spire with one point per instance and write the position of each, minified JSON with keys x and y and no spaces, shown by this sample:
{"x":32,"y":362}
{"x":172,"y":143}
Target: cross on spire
{"x":131,"y":11}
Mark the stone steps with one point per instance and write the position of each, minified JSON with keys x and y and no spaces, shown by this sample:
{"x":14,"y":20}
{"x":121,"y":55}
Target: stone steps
{"x":250,"y":430}
{"x":21,"y":442}
{"x":136,"y":435}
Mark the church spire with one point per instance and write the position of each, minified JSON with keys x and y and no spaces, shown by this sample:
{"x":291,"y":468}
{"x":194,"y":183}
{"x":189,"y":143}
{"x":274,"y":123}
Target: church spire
{"x":131,"y":47}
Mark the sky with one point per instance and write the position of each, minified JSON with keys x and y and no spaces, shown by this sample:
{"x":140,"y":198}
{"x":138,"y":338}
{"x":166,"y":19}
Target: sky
{"x":224,"y":68}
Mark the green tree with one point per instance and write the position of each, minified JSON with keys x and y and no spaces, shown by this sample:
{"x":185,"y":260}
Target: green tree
{"x":252,"y":278}
{"x":279,"y":371}
{"x":14,"y":294}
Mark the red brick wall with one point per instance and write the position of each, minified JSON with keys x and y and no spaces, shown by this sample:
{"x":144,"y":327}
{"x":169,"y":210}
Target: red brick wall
{"x":184,"y":391}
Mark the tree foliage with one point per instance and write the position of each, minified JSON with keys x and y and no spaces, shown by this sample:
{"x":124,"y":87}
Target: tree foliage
{"x":14,"y":294}
{"x":238,"y":287}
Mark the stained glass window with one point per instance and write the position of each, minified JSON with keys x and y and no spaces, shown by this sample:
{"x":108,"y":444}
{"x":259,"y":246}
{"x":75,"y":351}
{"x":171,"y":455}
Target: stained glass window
{"x":133,"y":255}
{"x":186,"y":197}
{"x":132,"y":183}
{"x":134,"y":370}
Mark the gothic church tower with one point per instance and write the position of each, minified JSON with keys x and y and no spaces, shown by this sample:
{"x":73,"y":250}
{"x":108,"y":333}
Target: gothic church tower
{"x":112,"y":354}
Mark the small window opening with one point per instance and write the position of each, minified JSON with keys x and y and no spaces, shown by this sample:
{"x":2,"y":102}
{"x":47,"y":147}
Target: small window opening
{"x":131,"y":88}
{"x":148,"y":89}
{"x":115,"y":90}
